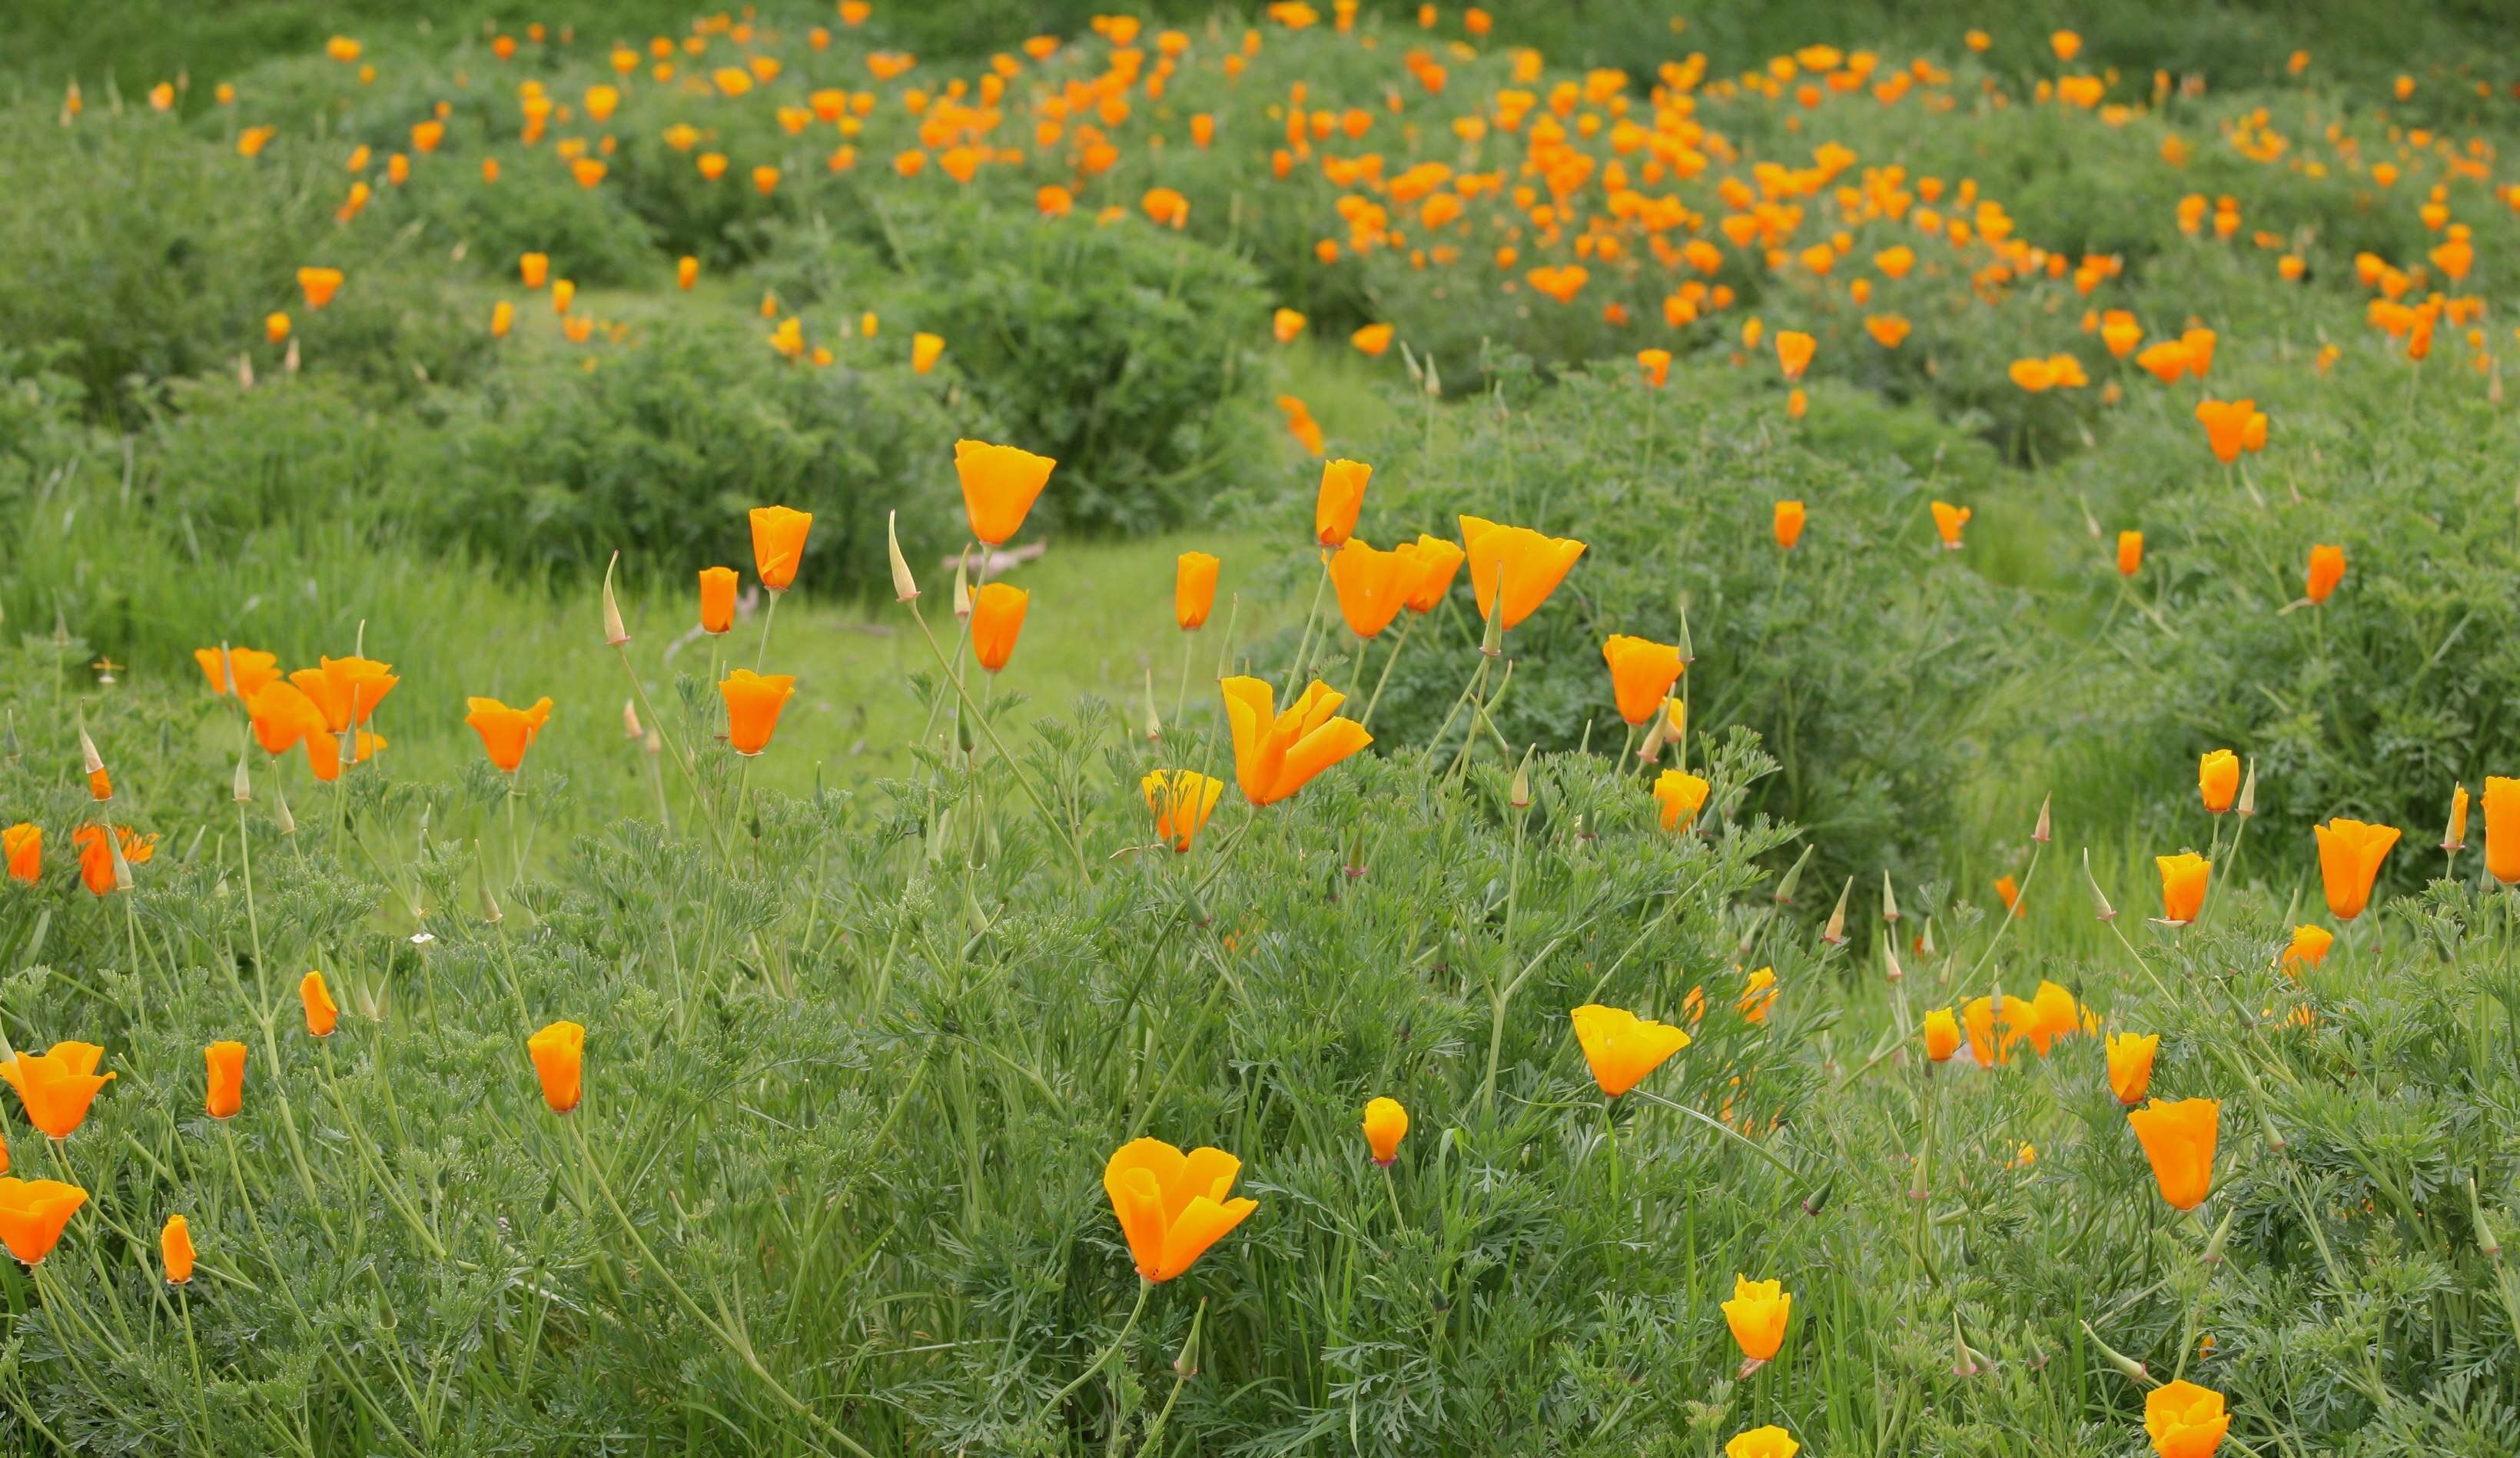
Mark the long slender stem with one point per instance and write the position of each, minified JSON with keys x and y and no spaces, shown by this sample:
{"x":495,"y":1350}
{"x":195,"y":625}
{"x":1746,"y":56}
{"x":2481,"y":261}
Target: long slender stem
{"x":1022,"y":781}
{"x":1367,"y":718}
{"x":1144,"y":1289}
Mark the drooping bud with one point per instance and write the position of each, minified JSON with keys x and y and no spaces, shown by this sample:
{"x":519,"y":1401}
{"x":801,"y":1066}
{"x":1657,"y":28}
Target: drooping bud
{"x":2125,"y":1365}
{"x":2045,"y":830}
{"x":655,"y":742}
{"x":2249,"y":790}
{"x":614,"y":634}
{"x":905,"y":588}
{"x":243,"y":792}
{"x":1835,"y":935}
{"x":630,"y":721}
{"x":2099,"y":898}
{"x":1793,"y":875}
{"x":1889,"y":900}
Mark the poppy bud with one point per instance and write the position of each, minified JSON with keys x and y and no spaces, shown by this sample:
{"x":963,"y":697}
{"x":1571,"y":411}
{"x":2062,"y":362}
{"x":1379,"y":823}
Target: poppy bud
{"x":1520,"y":796}
{"x":559,"y":1054}
{"x":225,"y":1062}
{"x":2486,"y":1240}
{"x":962,"y":588}
{"x":2455,"y":835}
{"x":614,"y":634}
{"x":1891,"y":970}
{"x":490,"y":911}
{"x":2125,"y":1365}
{"x":100,"y":785}
{"x":1835,"y":935}
{"x":1889,"y":900}
{"x":1794,"y":877}
{"x":2099,"y":898}
{"x":243,"y":792}
{"x":175,"y":1248}
{"x":2249,"y":790}
{"x":630,"y":721}
{"x":321,"y":1012}
{"x":905,"y":588}
{"x":2044,"y":830}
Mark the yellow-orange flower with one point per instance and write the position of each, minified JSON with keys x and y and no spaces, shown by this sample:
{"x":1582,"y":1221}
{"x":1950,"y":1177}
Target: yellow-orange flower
{"x":1656,"y":363}
{"x":32,"y":1213}
{"x":2217,"y":779}
{"x":2184,"y":1419}
{"x":1642,"y":673}
{"x":507,"y":732}
{"x":240,"y":671}
{"x":2130,"y":1059}
{"x":1526,"y":565}
{"x":2501,"y":829}
{"x":2227,"y":427}
{"x":1621,"y":1047}
{"x":1340,"y":499}
{"x":281,"y":714}
{"x":1386,"y":1123}
{"x":1000,"y":484}
{"x":1439,"y":560}
{"x":1171,"y":1206}
{"x":2182,"y":886}
{"x":1770,"y":1441}
{"x":1181,"y":801}
{"x":717,"y":599}
{"x":2179,"y":1139}
{"x":1194,"y":589}
{"x":559,"y":1054}
{"x":1284,"y":325}
{"x":2308,"y":949}
{"x":2326,"y":569}
{"x":1948,"y":521}
{"x":1372,"y":584}
{"x":23,"y":847}
{"x":1794,"y":350}
{"x":319,"y":284}
{"x":1372,"y":338}
{"x":1757,"y":1315}
{"x":57,"y":1087}
{"x":924,"y":350}
{"x":1758,"y":996}
{"x":1681,"y":795}
{"x":752,"y":705}
{"x":997,"y":619}
{"x":175,"y":1249}
{"x":2130,"y":553}
{"x":779,"y":544}
{"x":1276,"y":754}
{"x":226,"y":1062}
{"x":346,"y":690}
{"x":1992,"y":1044}
{"x":2350,"y":854}
{"x":322,"y":1013}
{"x":1791,"y":515}
{"x":1942,"y":1034}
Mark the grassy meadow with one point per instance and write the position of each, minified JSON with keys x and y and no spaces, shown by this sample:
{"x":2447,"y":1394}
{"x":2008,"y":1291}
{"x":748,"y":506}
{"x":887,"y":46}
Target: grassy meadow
{"x":1802,"y":817}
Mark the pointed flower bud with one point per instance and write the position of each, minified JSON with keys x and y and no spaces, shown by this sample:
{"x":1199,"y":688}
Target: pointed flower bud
{"x":279,"y":812}
{"x":1890,"y":968}
{"x":614,"y":634}
{"x":2099,"y":898}
{"x":2125,"y":1365}
{"x":1889,"y":900}
{"x":1794,"y":877}
{"x":1521,"y":799}
{"x":905,"y":588}
{"x":100,"y":785}
{"x":2486,"y":1240}
{"x":2045,"y":830}
{"x":243,"y":782}
{"x":2249,"y":790}
{"x":1835,"y":935}
{"x":962,"y":588}
{"x":630,"y":721}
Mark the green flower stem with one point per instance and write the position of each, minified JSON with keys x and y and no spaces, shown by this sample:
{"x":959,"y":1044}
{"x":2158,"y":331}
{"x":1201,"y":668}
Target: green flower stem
{"x":1024,"y":781}
{"x":1144,"y":1289}
{"x":1728,"y":1132}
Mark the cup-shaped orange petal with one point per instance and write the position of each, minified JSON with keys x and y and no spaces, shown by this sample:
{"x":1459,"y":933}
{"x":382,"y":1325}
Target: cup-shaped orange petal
{"x":507,"y":732}
{"x":997,"y":620}
{"x":1340,"y":499}
{"x":1439,"y":561}
{"x":2130,"y":1060}
{"x":175,"y":1249}
{"x":1000,"y":484}
{"x":1386,"y":1123}
{"x":57,"y":1087}
{"x":1517,"y":564}
{"x":1372,"y":584}
{"x":1757,"y":1315}
{"x":226,"y":1061}
{"x":2350,"y":854}
{"x":2179,"y":1139}
{"x":2217,"y":779}
{"x":1274,"y":755}
{"x":2326,"y":569}
{"x":21,"y":846}
{"x":1194,"y":589}
{"x":752,"y":705}
{"x":1680,"y":796}
{"x":559,"y":1054}
{"x":779,"y":544}
{"x":1621,"y":1047}
{"x":1172,"y":1207}
{"x":32,"y":1214}
{"x":2182,"y":886}
{"x":1791,"y":515}
{"x":1642,"y":673}
{"x":717,"y":599}
{"x":322,"y":1013}
{"x":1181,"y":801}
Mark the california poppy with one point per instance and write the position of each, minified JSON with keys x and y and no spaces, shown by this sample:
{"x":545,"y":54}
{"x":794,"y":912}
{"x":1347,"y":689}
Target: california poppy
{"x":1789,"y":524}
{"x":97,"y":846}
{"x":1284,"y":325}
{"x":322,"y":1013}
{"x":1757,"y":1315}
{"x":2182,"y":886}
{"x":346,"y":690}
{"x":1340,"y":498}
{"x":1386,"y":1123}
{"x":1172,"y":1207}
{"x":1275,"y":754}
{"x":1995,"y":1023}
{"x":1372,"y":338}
{"x":1181,"y":801}
{"x":997,"y":619}
{"x":226,"y":1062}
{"x":717,"y":599}
{"x":533,"y":269}
{"x":32,"y":1213}
{"x":2308,"y":949}
{"x":23,"y":847}
{"x":1794,"y":350}
{"x":2226,"y":426}
{"x":2350,"y":854}
{"x":175,"y":1249}
{"x":241,"y":671}
{"x":1372,"y":584}
{"x":1770,"y":1441}
{"x":507,"y":732}
{"x":1194,"y":589}
{"x":1681,"y":795}
{"x":2130,"y":553}
{"x":1656,"y":364}
{"x":779,"y":544}
{"x":1942,"y":1033}
{"x":2217,"y":779}
{"x":2184,"y":1419}
{"x":999,"y":484}
{"x":2501,"y":829}
{"x":1642,"y":673}
{"x":281,"y":714}
{"x":319,"y":284}
{"x":2326,"y":569}
{"x":1621,"y":1047}
{"x":275,"y":327}
{"x":1301,"y":424}
{"x":1948,"y":521}
{"x":1528,"y":564}
{"x":2129,"y":1061}
{"x":56,"y":1087}
{"x":1439,"y":561}
{"x":752,"y":705}
{"x":559,"y":1054}
{"x":2179,"y":1139}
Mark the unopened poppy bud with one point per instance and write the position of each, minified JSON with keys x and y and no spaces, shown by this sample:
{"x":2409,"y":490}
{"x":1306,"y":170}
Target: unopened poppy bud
{"x":2124,"y":1365}
{"x":243,"y":782}
{"x":905,"y":588}
{"x":2484,"y":1237}
{"x":1889,"y":900}
{"x":1521,"y":799}
{"x":1925,"y":940}
{"x":1651,"y":750}
{"x":962,"y":588}
{"x":1688,"y":647}
{"x":490,"y":911}
{"x":1186,"y":1362}
{"x":1890,"y":967}
{"x":1154,"y":724}
{"x":2249,"y":790}
{"x":630,"y":721}
{"x":1794,"y":877}
{"x":100,"y":785}
{"x":1492,"y":642}
{"x":614,"y":634}
{"x":2455,"y":835}
{"x":1835,"y":935}
{"x":2099,"y":898}
{"x":1817,"y":1200}
{"x":121,"y":866}
{"x":2045,"y":830}
{"x":279,"y":812}
{"x":2222,"y":1233}
{"x":655,"y":742}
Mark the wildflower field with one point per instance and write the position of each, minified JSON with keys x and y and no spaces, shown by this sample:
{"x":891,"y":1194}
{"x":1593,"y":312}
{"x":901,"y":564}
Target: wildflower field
{"x":1361,"y":728}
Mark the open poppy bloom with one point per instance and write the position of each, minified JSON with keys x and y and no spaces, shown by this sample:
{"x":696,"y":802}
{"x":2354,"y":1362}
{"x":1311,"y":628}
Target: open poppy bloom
{"x":57,"y":1087}
{"x":241,"y":671}
{"x":559,"y":1054}
{"x":1372,"y":338}
{"x":1000,"y":484}
{"x":779,"y":544}
{"x":717,"y":599}
{"x":281,"y":714}
{"x":1642,"y":673}
{"x":319,"y":284}
{"x":1194,"y":589}
{"x":1995,"y":1023}
{"x":175,"y":1249}
{"x":2184,"y":1419}
{"x":2130,"y":1059}
{"x":1181,"y":801}
{"x":2228,"y":426}
{"x":2217,"y":779}
{"x":2052,"y":1014}
{"x":2182,"y":886}
{"x":97,"y":846}
{"x":507,"y":732}
{"x":1340,"y":499}
{"x":1794,"y":350}
{"x":32,"y":1214}
{"x":1276,"y":755}
{"x":1948,"y":521}
{"x":1386,"y":1123}
{"x":1942,"y":1033}
{"x":2308,"y":949}
{"x":2350,"y":854}
{"x":1372,"y":584}
{"x":924,"y":350}
{"x":1791,"y":515}
{"x":1757,"y":1315}
{"x":1681,"y":795}
{"x":1516,"y":564}
{"x":1622,"y":1048}
{"x":1301,"y":424}
{"x":1656,"y":363}
{"x":2179,"y":1139}
{"x":752,"y":705}
{"x":347,"y":691}
{"x":1770,"y":1441}
{"x":1439,"y":561}
{"x":2501,"y":829}
{"x":997,"y":619}
{"x":2326,"y":569}
{"x":1284,"y":325}
{"x":21,"y":846}
{"x":1172,"y":1207}
{"x":226,"y":1062}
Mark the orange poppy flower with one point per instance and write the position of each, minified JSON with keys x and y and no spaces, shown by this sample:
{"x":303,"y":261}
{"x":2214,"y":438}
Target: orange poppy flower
{"x":281,"y":714}
{"x":2182,"y":886}
{"x":175,"y":1249}
{"x":2226,"y":426}
{"x":779,"y":544}
{"x":1372,"y":584}
{"x":752,"y":705}
{"x":2130,"y":553}
{"x":1300,"y":424}
{"x":2184,"y":1419}
{"x":1642,"y":673}
{"x":2326,"y":569}
{"x":2166,"y":361}
{"x":23,"y":847}
{"x":1439,"y":560}
{"x":717,"y":599}
{"x":346,"y":690}
{"x":1791,"y":515}
{"x":1194,"y":589}
{"x":1386,"y":1123}
{"x":1889,"y":330}
{"x":2350,"y":856}
{"x":1372,"y":338}
{"x":1181,"y":802}
{"x":1285,"y":324}
{"x":1681,"y":795}
{"x":1794,"y":350}
{"x":2179,"y":1139}
{"x":57,"y":1087}
{"x":319,"y":284}
{"x":275,"y":326}
{"x":32,"y":1214}
{"x":2217,"y":779}
{"x":1172,"y":1207}
{"x":1527,"y":564}
{"x":322,"y":1013}
{"x":924,"y":350}
{"x":997,"y":619}
{"x":97,"y":870}
{"x":1948,"y":521}
{"x":1656,"y":364}
{"x":1000,"y":484}
{"x":559,"y":1054}
{"x":1622,"y":1048}
{"x":2501,"y":829}
{"x":241,"y":671}
{"x":226,"y":1062}
{"x":1275,"y":754}
{"x":1340,"y":498}
{"x":2129,"y":1064}
{"x":507,"y":732}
